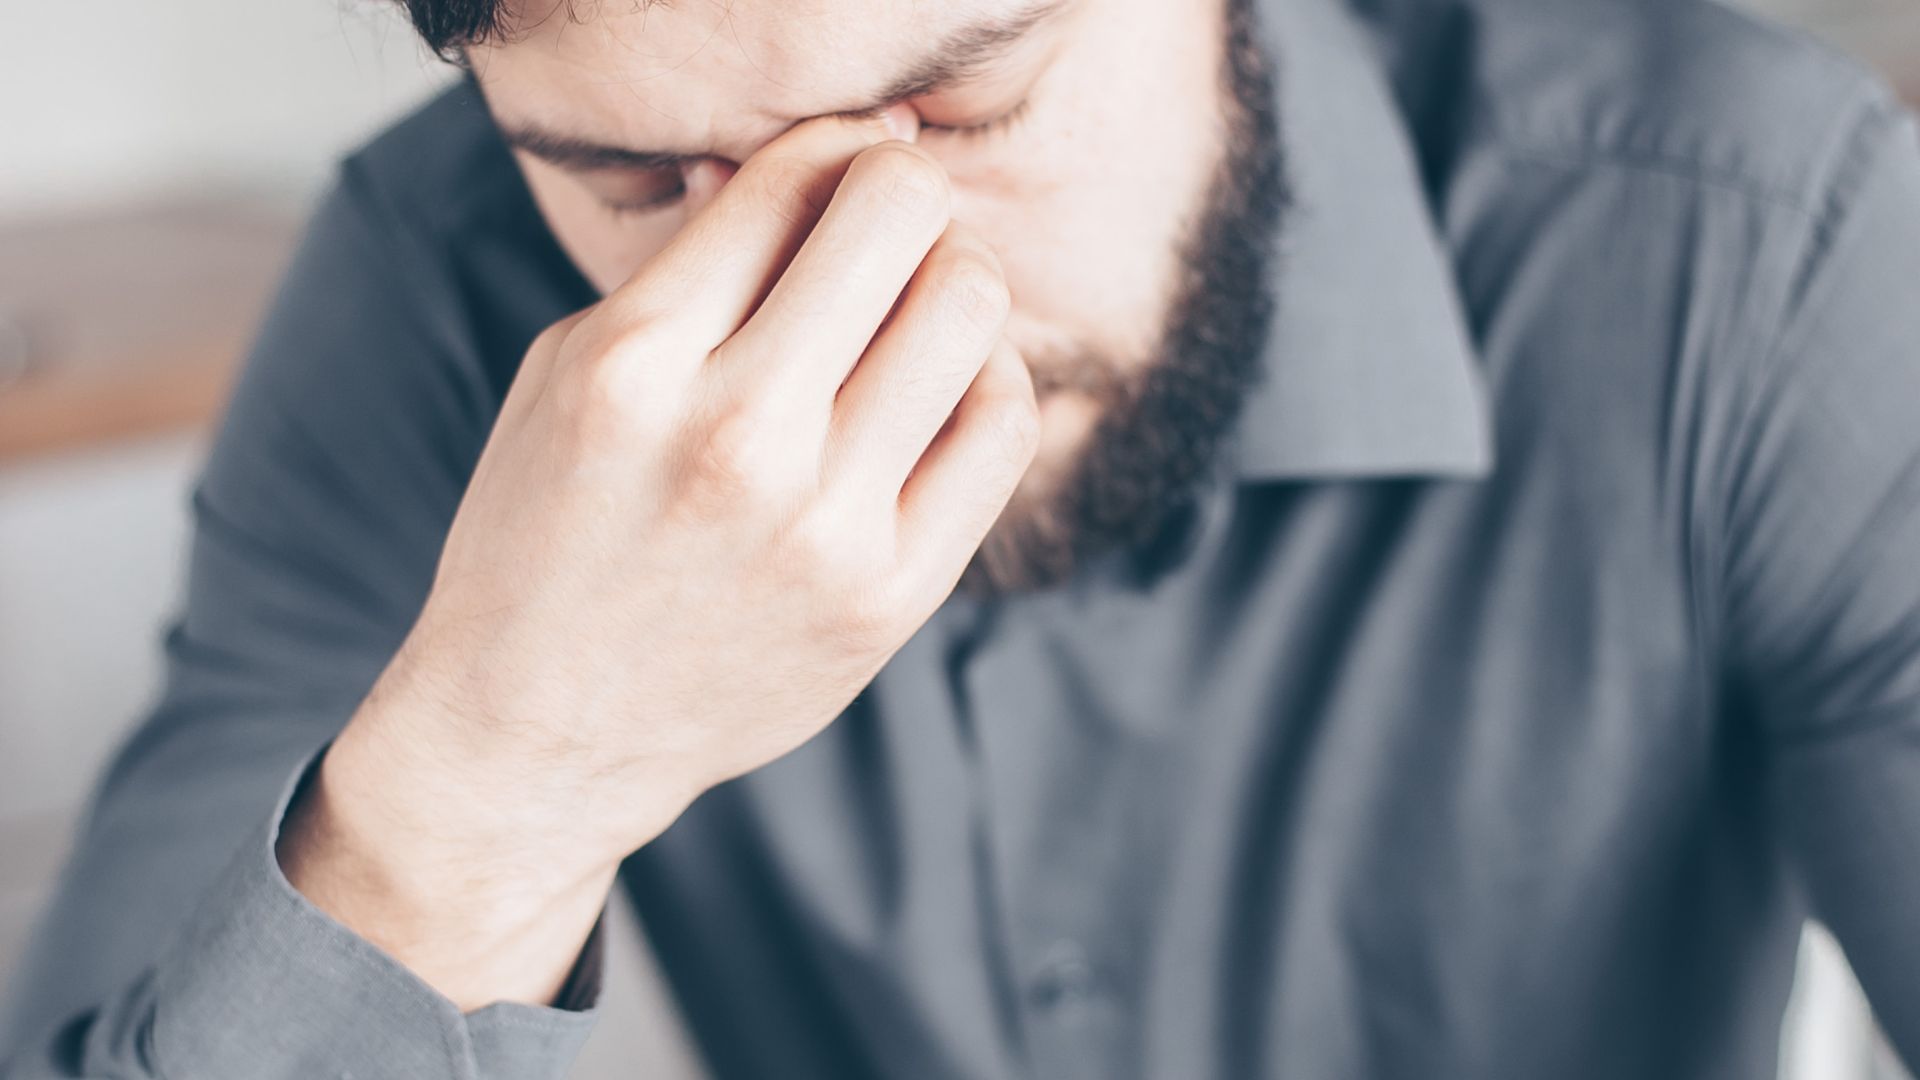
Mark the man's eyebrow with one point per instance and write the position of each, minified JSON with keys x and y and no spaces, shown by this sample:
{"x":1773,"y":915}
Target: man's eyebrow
{"x":571,"y":153}
{"x":965,"y":51}
{"x":960,"y":55}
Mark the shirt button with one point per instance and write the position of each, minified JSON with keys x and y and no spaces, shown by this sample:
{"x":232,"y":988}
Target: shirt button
{"x":1065,"y":978}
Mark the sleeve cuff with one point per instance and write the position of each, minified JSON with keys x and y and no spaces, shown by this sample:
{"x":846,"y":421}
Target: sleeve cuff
{"x":260,"y":984}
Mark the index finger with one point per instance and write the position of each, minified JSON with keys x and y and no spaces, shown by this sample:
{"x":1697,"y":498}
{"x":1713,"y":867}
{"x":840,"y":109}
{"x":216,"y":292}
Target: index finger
{"x":718,"y":267}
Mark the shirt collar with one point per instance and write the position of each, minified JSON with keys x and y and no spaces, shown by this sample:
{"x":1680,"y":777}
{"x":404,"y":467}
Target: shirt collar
{"x":1370,"y":370}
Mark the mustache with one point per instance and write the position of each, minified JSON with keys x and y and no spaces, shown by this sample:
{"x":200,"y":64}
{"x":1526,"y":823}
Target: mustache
{"x":1082,"y":371}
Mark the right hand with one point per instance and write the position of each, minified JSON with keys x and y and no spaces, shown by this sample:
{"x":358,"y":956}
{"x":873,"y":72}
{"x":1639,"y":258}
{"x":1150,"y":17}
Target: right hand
{"x":686,"y":546}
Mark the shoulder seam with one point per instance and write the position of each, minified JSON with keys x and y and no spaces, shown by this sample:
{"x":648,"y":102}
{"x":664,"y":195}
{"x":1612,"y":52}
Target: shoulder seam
{"x":1507,"y":134}
{"x":1861,"y":144}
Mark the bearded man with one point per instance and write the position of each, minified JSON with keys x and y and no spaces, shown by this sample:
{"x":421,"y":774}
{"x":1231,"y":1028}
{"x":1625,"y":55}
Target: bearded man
{"x":1055,"y":538}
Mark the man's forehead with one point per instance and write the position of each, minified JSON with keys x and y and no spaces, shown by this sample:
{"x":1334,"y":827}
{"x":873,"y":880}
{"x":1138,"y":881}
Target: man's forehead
{"x":787,"y":58}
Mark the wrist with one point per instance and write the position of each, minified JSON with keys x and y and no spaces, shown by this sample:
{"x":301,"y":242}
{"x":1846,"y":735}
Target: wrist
{"x":439,"y":876}
{"x":530,"y":769}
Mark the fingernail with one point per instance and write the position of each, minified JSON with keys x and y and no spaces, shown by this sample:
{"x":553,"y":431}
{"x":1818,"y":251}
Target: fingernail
{"x":902,"y":122}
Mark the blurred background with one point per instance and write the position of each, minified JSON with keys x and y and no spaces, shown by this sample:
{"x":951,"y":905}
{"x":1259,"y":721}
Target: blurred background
{"x":157,"y":162}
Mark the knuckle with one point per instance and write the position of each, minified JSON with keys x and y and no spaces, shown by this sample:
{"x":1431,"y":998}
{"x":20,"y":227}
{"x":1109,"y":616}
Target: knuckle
{"x":549,"y":351}
{"x":601,"y":393}
{"x":975,"y":288}
{"x":1014,"y":417}
{"x":842,"y":557}
{"x":553,"y":340}
{"x":823,"y":546}
{"x":727,"y":464}
{"x":905,"y":179}
{"x":829,"y":552}
{"x":868,"y":620}
{"x":870,"y":614}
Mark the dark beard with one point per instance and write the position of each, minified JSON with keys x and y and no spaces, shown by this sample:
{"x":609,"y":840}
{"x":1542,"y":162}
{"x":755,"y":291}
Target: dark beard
{"x":1160,"y":431}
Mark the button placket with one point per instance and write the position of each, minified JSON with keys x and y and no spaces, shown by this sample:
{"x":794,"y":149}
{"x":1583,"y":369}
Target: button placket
{"x":1065,"y":983}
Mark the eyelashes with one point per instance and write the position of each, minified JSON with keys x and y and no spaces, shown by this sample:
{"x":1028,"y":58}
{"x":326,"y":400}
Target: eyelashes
{"x":967,"y":134}
{"x":661,"y":201}
{"x":999,"y":125}
{"x":657,"y":202}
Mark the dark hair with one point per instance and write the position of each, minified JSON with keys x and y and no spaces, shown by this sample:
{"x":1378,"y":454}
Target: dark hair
{"x":449,"y":26}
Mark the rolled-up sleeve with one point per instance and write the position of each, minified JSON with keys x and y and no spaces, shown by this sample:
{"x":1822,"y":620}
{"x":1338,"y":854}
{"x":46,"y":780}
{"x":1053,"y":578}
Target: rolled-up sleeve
{"x":257,"y":949}
{"x":1822,"y":573}
{"x":174,"y":946}
{"x":260,"y":983}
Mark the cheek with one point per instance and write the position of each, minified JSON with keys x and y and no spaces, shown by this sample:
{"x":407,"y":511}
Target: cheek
{"x":1086,"y":269}
{"x":1089,"y":204}
{"x":606,"y":248}
{"x":1090,"y":242}
{"x":609,"y":249}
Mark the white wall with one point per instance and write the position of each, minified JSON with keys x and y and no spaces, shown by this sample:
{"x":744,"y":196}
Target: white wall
{"x":92,"y":546}
{"x":124,"y":99}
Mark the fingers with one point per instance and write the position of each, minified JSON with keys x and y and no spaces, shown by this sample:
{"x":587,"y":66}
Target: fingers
{"x":820,"y":316}
{"x":971,"y":469}
{"x":947,"y":323}
{"x":720,"y":264}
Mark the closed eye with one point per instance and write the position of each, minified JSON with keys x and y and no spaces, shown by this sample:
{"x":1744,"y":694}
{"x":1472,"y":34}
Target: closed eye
{"x":670,"y":196}
{"x":663,"y":201}
{"x":999,"y":125}
{"x":659,"y":192}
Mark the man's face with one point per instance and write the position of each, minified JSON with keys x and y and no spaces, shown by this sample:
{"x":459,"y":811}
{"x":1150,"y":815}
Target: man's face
{"x":1082,"y":138}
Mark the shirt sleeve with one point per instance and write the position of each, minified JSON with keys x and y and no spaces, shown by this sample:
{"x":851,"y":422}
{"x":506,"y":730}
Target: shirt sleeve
{"x":1821,"y":576}
{"x":174,"y":946}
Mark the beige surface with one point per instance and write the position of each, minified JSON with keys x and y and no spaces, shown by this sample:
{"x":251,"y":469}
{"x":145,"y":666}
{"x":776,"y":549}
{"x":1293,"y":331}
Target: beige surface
{"x":1885,"y":32}
{"x":129,"y":323}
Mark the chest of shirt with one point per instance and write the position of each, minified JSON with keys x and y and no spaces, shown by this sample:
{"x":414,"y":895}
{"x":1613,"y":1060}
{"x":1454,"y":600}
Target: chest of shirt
{"x":1385,"y":730}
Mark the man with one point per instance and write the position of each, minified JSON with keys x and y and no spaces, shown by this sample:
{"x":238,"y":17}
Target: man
{"x":1104,"y":538}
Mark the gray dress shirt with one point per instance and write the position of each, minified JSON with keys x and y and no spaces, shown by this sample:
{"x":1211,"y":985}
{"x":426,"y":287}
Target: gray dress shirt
{"x":1544,"y":650}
